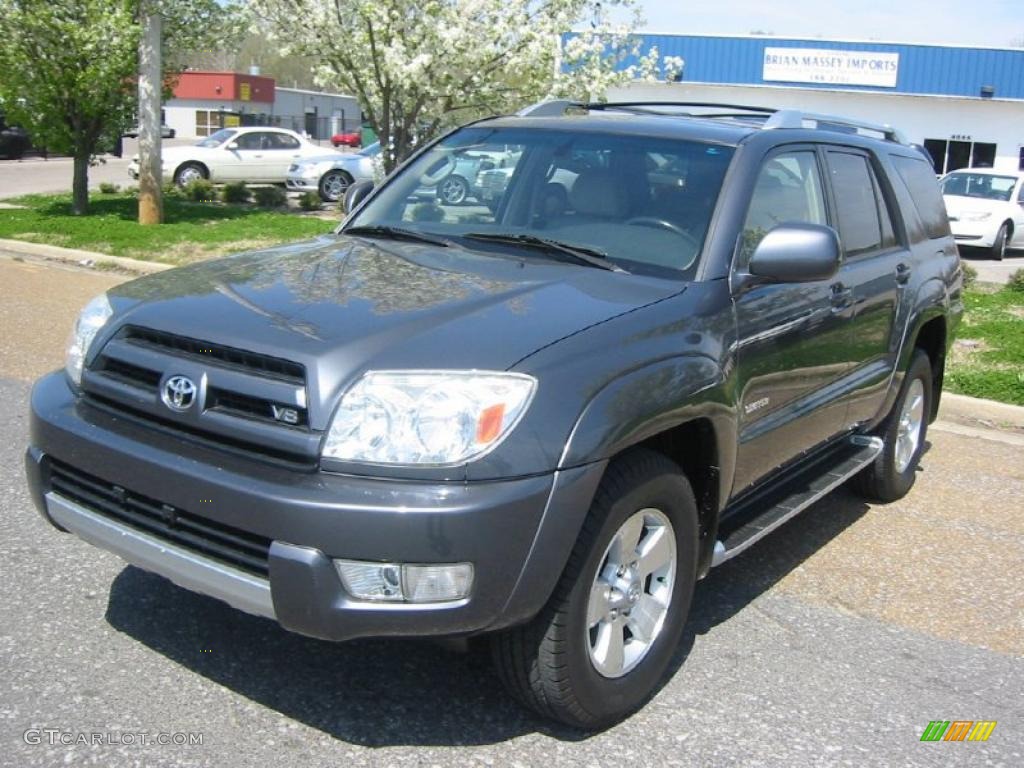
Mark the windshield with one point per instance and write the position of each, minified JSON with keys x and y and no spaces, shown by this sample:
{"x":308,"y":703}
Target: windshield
{"x":216,"y":139}
{"x":643,"y":202}
{"x":981,"y":185}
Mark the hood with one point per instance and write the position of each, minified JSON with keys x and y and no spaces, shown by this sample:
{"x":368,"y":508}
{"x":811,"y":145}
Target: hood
{"x":341,"y":305}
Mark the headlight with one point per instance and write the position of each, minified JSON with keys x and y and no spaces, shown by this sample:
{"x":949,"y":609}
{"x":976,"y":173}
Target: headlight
{"x":89,"y":322}
{"x":976,"y":216}
{"x":434,"y":418}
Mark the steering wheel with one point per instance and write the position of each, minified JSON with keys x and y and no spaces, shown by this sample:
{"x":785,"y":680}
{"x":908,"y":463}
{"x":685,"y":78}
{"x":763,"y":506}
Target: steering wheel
{"x":447,"y":167}
{"x":651,"y":221}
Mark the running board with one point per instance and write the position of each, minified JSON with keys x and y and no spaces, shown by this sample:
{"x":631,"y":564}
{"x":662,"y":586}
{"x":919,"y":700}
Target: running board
{"x":864,"y":450}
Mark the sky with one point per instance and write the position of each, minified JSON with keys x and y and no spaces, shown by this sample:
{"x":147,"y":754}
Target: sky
{"x":998,"y":23}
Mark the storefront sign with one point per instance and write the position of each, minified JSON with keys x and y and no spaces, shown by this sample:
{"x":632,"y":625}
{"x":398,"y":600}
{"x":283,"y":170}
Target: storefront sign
{"x":812,"y":65}
{"x":244,"y":91}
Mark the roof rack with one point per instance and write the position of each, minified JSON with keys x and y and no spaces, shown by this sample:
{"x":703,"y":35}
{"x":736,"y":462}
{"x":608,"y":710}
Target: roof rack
{"x":773,"y":119}
{"x":795,"y":118}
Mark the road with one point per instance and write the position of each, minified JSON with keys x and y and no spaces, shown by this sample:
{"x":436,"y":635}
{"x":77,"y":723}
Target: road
{"x":832,"y":642}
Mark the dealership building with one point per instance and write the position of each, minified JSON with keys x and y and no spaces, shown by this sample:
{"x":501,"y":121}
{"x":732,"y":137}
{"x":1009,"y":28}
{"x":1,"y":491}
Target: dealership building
{"x":964,"y":105}
{"x":204,"y":102}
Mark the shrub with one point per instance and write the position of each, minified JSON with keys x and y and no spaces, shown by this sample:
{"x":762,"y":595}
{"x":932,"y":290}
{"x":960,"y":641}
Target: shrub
{"x":172,"y":190}
{"x":106,"y":188}
{"x":199,"y":191}
{"x":309,"y":201}
{"x":235,"y":192}
{"x":270,"y":197}
{"x":970,"y":274}
{"x":1017,"y":281}
{"x":428,"y":212}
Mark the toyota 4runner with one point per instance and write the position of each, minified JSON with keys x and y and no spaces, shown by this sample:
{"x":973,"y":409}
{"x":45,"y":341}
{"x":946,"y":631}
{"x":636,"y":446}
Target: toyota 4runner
{"x":541,"y":419}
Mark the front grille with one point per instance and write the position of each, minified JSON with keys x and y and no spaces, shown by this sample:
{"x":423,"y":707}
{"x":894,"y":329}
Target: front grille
{"x":230,"y":546}
{"x":229,"y":357}
{"x":251,"y":402}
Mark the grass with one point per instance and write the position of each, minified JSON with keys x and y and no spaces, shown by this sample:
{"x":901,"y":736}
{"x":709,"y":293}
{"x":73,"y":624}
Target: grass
{"x":988,"y":356}
{"x":190,"y":232}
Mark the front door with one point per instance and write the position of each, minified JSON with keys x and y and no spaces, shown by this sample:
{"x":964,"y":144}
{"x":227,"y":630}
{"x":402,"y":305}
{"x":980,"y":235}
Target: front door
{"x":793,"y":338}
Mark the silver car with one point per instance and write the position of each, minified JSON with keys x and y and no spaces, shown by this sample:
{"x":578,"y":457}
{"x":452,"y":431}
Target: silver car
{"x":332,"y":174}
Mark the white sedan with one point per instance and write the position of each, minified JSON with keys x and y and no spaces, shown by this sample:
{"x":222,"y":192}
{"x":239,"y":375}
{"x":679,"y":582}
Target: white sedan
{"x":256,"y":155}
{"x":986,"y":208}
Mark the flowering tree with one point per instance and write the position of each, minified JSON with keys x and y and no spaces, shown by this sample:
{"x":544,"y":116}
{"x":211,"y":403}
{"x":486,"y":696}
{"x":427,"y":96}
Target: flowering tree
{"x":417,"y":66}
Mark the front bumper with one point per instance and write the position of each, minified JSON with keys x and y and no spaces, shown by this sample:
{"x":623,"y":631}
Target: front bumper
{"x":517,"y":532}
{"x":298,"y":184}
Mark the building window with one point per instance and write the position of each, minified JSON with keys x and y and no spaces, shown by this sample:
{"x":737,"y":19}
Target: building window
{"x":1020,"y":160}
{"x":206,"y":122}
{"x":952,"y":154}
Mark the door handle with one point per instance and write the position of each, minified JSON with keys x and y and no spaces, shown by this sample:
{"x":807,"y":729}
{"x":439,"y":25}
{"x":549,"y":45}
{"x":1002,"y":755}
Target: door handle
{"x":902,"y":273}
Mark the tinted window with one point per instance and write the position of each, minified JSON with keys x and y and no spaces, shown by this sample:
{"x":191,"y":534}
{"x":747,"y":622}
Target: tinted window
{"x":788,"y":188}
{"x":856,"y":202}
{"x":923,"y":187}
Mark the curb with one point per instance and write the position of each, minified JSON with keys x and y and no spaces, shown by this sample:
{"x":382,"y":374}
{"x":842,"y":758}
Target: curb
{"x":81,"y":258}
{"x":976,"y":411}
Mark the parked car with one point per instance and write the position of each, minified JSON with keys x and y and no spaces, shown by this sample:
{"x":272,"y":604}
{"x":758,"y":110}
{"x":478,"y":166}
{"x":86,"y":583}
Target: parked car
{"x":540,"y":426}
{"x":453,"y":177}
{"x":166,"y":132}
{"x":347,"y":139}
{"x":14,"y":141}
{"x":257,"y":155}
{"x":330,"y":175}
{"x":986,"y":209}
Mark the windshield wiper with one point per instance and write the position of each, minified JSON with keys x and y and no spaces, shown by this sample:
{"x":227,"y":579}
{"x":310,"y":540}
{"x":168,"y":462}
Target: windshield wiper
{"x":396,"y":233}
{"x":592,"y":257}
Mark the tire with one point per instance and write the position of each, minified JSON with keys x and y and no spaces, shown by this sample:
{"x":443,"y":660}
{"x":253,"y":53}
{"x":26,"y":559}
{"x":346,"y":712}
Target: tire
{"x":892,"y":473}
{"x":333,"y":185}
{"x":187,"y":172}
{"x":452,"y":190}
{"x":998,"y":251}
{"x":551,"y":664}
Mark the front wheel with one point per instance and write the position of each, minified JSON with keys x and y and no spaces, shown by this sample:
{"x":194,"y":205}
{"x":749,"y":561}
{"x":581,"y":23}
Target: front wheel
{"x":600,"y":647}
{"x":189,"y":172}
{"x":333,"y":185}
{"x":999,"y":244}
{"x":453,"y":190}
{"x":892,"y":473}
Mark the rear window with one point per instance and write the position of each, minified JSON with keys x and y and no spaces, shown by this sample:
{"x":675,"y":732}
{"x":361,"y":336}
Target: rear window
{"x":919,"y":178}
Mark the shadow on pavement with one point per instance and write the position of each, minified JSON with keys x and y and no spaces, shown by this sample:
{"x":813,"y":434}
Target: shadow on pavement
{"x":405,"y":692}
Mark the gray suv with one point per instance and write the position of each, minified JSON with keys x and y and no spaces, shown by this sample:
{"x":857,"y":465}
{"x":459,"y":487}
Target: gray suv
{"x":540,"y":421}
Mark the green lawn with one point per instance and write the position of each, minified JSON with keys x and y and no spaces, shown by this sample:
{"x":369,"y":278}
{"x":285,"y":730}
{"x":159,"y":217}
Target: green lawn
{"x":988,"y":358}
{"x":191,"y":231}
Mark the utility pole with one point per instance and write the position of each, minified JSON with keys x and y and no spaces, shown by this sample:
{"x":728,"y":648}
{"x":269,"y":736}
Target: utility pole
{"x":151,"y":209}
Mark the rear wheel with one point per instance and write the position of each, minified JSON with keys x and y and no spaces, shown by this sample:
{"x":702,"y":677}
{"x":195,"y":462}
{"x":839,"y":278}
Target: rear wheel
{"x":999,"y":244}
{"x":892,"y":473}
{"x":600,"y":647}
{"x":189,"y":172}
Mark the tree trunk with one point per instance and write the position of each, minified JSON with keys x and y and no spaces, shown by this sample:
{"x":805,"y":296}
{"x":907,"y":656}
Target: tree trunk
{"x":80,"y":184}
{"x":150,"y":182}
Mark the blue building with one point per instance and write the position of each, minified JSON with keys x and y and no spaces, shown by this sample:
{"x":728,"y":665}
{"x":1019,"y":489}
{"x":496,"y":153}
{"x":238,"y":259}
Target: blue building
{"x":965,"y":105}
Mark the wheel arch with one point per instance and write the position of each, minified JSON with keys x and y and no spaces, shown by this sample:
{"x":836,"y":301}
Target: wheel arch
{"x":931,"y":338}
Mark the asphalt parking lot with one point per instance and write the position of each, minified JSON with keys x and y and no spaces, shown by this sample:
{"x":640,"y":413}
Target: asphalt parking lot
{"x":833,"y":642}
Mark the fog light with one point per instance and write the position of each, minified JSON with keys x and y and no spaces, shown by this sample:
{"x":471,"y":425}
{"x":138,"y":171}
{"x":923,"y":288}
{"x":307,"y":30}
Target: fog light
{"x":396,"y":582}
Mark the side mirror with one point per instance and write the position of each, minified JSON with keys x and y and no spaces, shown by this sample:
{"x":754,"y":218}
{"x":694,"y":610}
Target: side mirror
{"x":796,"y":253}
{"x":355,"y":194}
{"x":232,"y":146}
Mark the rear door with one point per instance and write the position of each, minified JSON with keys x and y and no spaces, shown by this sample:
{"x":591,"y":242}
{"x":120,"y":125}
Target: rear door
{"x":793,"y":338}
{"x":280,"y":150}
{"x":876,"y":267}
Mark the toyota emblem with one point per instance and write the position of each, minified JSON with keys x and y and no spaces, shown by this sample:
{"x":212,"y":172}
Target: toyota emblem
{"x":179,"y":393}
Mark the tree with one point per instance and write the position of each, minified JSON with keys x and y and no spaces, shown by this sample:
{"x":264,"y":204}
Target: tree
{"x":67,"y":75}
{"x":417,"y":66}
{"x":68,"y":68}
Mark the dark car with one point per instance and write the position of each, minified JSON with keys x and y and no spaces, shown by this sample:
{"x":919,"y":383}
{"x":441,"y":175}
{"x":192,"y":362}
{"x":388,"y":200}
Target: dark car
{"x":14,"y":141}
{"x":541,"y":424}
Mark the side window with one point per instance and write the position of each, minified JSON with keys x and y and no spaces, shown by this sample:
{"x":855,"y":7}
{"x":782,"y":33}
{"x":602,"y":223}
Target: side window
{"x":1020,"y":195}
{"x":280,"y":141}
{"x":864,"y":223}
{"x":919,"y":178}
{"x":250,"y":140}
{"x":788,"y":188}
